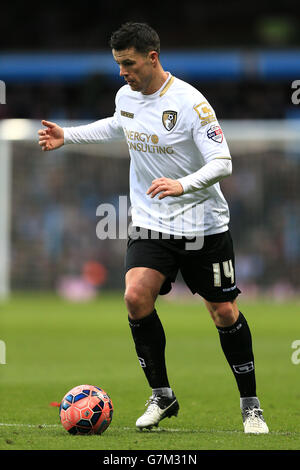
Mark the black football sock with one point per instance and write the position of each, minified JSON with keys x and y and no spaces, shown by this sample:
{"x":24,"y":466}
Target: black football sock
{"x":150,"y":342}
{"x":236,"y":343}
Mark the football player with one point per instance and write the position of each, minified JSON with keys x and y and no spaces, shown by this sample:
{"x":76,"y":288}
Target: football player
{"x":180,"y":217}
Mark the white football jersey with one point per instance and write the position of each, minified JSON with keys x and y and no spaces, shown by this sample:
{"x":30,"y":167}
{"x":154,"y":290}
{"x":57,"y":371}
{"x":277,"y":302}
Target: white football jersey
{"x":171,"y":133}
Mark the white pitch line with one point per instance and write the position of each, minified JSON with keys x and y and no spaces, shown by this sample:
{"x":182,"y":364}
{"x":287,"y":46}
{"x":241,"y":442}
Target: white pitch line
{"x":126,"y":428}
{"x":159,"y":430}
{"x":22,"y":425}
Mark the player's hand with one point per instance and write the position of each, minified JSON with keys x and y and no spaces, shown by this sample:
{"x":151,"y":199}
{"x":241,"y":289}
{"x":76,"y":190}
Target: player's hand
{"x":52,"y":137}
{"x":166,"y":187}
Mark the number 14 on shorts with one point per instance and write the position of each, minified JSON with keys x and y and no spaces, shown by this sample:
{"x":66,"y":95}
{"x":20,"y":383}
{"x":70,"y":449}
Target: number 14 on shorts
{"x":228,"y":271}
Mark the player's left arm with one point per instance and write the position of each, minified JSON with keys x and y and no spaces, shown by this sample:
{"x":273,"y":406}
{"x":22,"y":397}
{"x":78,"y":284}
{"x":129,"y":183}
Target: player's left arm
{"x":166,"y":187}
{"x":210,"y":141}
{"x":211,"y":173}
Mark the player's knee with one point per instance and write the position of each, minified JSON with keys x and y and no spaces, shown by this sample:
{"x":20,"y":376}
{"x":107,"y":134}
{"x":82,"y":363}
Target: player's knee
{"x":223,"y":313}
{"x":139,"y":301}
{"x":131,"y":298}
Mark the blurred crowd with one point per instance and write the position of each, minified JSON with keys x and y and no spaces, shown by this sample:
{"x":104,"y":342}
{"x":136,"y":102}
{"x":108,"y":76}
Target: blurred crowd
{"x":94,"y":98}
{"x":264,"y":199}
{"x":192,"y":24}
{"x":55,"y":197}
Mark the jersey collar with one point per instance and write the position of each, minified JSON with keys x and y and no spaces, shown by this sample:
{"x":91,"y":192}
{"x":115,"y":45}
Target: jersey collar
{"x":166,"y":85}
{"x":161,"y":92}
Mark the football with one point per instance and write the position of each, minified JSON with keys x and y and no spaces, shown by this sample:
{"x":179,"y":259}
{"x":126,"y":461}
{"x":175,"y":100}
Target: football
{"x":86,"y":409}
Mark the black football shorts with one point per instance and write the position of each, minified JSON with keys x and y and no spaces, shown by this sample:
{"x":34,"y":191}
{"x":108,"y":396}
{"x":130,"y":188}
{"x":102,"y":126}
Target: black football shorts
{"x":208,"y":271}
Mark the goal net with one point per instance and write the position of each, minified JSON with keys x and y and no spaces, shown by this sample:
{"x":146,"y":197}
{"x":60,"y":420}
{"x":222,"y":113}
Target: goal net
{"x":50,"y":201}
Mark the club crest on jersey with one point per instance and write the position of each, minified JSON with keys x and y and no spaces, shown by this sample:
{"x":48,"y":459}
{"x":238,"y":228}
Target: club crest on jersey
{"x":169,"y":119}
{"x":215,"y":133}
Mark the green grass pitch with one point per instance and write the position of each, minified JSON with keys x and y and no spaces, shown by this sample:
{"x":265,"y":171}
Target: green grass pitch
{"x":53,"y":345}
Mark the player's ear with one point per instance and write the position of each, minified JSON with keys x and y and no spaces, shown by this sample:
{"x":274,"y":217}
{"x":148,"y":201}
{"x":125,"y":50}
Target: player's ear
{"x":154,"y":58}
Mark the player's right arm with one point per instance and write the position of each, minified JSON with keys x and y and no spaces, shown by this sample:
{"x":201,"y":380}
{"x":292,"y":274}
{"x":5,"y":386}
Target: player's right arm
{"x":51,"y":137}
{"x":104,"y":130}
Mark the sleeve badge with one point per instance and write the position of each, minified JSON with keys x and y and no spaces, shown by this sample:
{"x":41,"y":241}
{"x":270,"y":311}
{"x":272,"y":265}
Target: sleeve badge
{"x":215,"y":133}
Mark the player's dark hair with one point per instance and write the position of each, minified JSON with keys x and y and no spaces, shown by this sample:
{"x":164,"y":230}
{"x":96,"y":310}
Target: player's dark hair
{"x":138,"y":35}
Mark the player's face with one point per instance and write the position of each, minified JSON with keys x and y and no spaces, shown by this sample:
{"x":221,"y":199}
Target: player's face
{"x":136,"y":68}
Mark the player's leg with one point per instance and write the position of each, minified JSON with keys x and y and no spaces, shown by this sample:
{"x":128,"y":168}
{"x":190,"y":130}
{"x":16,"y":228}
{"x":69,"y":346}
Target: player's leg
{"x":142,"y":288}
{"x":211,"y":272}
{"x":236,"y":342}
